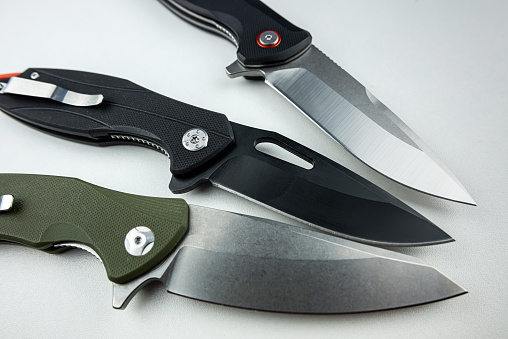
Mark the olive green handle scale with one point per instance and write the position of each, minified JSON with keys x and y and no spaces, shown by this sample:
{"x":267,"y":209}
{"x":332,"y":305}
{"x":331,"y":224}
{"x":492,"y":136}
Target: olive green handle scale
{"x":50,"y":210}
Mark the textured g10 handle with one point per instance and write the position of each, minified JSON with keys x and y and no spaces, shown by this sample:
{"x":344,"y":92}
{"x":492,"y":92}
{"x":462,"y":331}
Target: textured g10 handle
{"x":49,"y":210}
{"x":127,"y":110}
{"x":246,"y":19}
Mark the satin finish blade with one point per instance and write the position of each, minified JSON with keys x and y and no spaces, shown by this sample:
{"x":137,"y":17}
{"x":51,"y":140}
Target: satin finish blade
{"x":347,"y":112}
{"x":255,"y":263}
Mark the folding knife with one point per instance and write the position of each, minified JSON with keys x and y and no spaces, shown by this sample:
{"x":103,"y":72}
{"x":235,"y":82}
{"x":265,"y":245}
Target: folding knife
{"x":205,"y":147}
{"x":211,"y":255}
{"x":272,"y":48}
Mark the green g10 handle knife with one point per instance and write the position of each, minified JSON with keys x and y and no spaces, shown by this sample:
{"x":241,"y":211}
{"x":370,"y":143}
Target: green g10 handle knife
{"x":211,"y":255}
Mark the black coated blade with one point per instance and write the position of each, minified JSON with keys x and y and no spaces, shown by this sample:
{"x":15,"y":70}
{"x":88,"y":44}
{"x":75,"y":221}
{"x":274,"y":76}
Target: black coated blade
{"x":328,"y":196}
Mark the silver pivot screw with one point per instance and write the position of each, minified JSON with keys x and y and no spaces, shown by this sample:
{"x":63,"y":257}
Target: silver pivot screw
{"x":34,"y":75}
{"x":195,"y":139}
{"x":139,"y":241}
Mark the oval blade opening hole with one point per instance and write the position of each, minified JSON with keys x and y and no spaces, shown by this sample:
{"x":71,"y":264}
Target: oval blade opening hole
{"x":287,"y":155}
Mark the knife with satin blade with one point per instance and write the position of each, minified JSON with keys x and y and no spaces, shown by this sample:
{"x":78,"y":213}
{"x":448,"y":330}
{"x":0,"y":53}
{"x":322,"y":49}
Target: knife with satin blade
{"x":272,"y":48}
{"x":205,"y":147}
{"x":211,"y":255}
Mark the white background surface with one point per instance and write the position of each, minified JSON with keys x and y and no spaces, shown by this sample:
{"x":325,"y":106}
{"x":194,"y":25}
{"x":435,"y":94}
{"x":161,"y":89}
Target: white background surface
{"x":441,"y":66}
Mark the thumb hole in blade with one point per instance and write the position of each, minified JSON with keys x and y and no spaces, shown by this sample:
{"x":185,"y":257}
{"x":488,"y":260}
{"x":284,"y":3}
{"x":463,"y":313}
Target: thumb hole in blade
{"x":285,"y":154}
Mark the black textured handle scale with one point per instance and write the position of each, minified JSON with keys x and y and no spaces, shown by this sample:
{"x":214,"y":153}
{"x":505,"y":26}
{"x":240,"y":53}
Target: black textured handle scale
{"x":245,"y":20}
{"x":127,"y":110}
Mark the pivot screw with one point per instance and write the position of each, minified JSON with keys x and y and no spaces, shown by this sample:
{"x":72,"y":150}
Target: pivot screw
{"x":195,"y":139}
{"x":139,"y":241}
{"x":268,"y":39}
{"x":34,"y":75}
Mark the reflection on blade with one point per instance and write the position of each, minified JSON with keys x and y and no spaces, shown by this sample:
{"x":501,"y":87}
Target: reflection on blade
{"x":261,"y":264}
{"x":343,"y":108}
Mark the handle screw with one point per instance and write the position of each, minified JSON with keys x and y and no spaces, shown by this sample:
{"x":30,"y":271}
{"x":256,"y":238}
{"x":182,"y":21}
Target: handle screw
{"x":195,"y":139}
{"x":139,"y":241}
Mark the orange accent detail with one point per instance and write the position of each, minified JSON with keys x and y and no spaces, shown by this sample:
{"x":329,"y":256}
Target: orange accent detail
{"x":10,"y":75}
{"x":272,"y":46}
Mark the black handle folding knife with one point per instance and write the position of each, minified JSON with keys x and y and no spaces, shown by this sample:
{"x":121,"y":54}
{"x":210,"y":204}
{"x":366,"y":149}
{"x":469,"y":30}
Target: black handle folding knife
{"x":205,"y":147}
{"x":271,"y":48}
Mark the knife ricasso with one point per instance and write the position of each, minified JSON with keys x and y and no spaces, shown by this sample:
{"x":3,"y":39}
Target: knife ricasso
{"x":48,"y":211}
{"x":243,"y":21}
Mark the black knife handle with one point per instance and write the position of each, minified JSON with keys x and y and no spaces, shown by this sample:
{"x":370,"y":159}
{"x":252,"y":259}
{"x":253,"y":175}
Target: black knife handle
{"x":130,"y":111}
{"x":245,"y":20}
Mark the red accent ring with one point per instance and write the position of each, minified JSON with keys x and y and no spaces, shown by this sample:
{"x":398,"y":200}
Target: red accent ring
{"x":272,"y":46}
